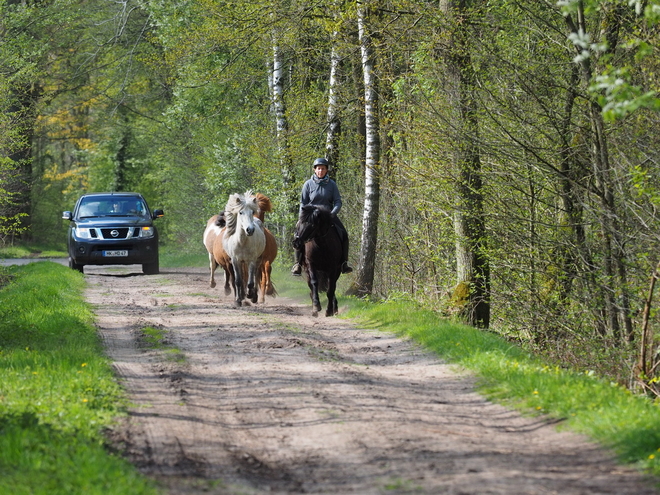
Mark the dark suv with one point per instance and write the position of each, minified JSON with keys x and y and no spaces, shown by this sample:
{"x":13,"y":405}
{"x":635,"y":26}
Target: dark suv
{"x":113,"y":229}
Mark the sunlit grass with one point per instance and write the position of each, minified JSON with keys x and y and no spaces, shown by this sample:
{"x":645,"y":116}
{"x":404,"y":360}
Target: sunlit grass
{"x":182,"y":256}
{"x":33,"y":251}
{"x":156,"y":338}
{"x":57,"y":390}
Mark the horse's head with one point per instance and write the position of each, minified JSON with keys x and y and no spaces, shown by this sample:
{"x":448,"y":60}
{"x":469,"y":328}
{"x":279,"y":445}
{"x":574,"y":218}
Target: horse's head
{"x":239,"y":213}
{"x":313,"y":221}
{"x":240,"y":210}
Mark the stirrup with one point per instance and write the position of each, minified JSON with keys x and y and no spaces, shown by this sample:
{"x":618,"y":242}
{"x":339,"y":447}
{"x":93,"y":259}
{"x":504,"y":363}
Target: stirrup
{"x":296,"y":270}
{"x":345,"y":268}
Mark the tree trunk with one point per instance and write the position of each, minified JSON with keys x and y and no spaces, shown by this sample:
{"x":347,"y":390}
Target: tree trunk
{"x":366,"y":267}
{"x":334,"y":121}
{"x":472,"y":266}
{"x":614,"y":256}
{"x":281,"y":123}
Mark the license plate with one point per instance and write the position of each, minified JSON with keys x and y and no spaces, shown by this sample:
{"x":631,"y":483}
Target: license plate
{"x":115,"y":254}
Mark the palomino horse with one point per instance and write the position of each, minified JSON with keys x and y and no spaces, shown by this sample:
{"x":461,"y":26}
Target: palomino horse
{"x":266,"y":286}
{"x":244,"y":241}
{"x":217,"y":255}
{"x":322,"y":260}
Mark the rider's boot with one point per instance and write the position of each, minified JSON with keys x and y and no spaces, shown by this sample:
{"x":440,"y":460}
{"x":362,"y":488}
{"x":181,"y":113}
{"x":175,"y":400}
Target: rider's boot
{"x":296,"y":270}
{"x":344,"y":254}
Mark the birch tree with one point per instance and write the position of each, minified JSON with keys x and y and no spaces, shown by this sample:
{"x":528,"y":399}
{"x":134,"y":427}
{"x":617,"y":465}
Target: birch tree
{"x":366,"y":266}
{"x":334,"y":122}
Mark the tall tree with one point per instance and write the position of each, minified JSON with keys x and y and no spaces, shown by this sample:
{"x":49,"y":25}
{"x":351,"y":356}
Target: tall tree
{"x":366,"y":268}
{"x":472,"y":264}
{"x":333,"y":131}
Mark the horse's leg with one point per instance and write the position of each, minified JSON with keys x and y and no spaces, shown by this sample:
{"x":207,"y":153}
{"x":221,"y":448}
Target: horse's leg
{"x":331,"y":310}
{"x":239,"y":290}
{"x":213,"y":265}
{"x":252,"y":278}
{"x":229,"y":279}
{"x":264,"y":280}
{"x":314,"y":294}
{"x":270,"y":288}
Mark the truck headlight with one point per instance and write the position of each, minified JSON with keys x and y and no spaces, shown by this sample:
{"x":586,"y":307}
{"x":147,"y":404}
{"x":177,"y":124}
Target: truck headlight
{"x":82,"y":233}
{"x":147,"y":232}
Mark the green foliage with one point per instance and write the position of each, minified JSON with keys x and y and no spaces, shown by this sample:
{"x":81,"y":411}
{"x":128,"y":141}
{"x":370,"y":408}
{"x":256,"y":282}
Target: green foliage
{"x":57,"y":390}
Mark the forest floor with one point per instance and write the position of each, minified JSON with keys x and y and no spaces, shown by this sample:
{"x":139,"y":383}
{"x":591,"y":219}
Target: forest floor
{"x":268,"y":399}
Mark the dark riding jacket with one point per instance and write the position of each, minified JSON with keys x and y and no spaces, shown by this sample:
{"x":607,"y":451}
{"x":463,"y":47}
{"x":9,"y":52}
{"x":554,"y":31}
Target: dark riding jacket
{"x":321,"y":192}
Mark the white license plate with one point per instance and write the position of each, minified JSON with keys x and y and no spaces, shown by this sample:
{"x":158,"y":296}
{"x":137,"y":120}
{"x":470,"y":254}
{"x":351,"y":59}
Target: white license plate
{"x":115,"y":254}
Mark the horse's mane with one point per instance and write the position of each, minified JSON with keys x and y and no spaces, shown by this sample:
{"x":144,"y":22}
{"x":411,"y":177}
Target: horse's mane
{"x":235,"y":204}
{"x":308,"y":213}
{"x":264,"y":203}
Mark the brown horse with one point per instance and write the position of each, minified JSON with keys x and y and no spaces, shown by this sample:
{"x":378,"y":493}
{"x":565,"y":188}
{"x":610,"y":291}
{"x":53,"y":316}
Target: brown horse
{"x":266,"y":286}
{"x":217,"y":255}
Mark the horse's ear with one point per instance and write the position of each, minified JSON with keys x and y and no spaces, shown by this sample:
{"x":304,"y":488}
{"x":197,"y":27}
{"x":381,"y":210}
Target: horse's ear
{"x":238,"y":200}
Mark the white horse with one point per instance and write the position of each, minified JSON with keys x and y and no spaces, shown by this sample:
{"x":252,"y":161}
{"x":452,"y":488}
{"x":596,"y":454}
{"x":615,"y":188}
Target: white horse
{"x":244,"y":242}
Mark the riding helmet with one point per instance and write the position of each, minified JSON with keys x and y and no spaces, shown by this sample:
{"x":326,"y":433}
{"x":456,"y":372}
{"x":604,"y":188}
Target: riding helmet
{"x":321,"y":161}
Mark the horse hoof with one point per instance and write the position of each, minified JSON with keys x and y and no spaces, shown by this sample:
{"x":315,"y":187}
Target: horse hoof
{"x":315,"y":313}
{"x":212,"y":285}
{"x":237,"y":304}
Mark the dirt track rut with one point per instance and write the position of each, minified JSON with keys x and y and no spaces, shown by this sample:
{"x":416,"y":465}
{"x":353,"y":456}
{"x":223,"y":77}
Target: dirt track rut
{"x":271,"y":400}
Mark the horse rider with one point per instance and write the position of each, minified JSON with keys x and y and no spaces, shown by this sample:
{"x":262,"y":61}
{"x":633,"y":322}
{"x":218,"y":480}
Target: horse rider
{"x":321,"y":190}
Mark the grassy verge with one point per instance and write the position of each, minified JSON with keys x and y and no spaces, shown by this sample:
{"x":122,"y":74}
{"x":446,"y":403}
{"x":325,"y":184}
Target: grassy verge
{"x":57,"y":390}
{"x":181,"y":257}
{"x":32,"y":251}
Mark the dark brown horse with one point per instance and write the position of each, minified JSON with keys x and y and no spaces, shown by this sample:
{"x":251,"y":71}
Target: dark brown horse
{"x":323,"y":255}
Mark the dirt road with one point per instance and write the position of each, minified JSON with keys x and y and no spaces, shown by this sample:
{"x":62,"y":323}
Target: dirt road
{"x":270,"y":400}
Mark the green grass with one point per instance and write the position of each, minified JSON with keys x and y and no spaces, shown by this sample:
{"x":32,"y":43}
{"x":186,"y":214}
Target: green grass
{"x":608,"y":413}
{"x":57,"y":390}
{"x":32,"y":251}
{"x":179,"y":257}
{"x":156,"y":338}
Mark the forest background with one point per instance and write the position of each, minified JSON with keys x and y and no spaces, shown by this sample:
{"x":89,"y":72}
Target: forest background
{"x":497,"y":159}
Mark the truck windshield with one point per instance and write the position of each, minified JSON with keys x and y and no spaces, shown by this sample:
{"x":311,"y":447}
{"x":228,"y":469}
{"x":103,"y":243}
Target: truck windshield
{"x":112,"y":206}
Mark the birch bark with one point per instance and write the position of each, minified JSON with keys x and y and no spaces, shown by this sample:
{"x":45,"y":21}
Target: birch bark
{"x":366,"y":266}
